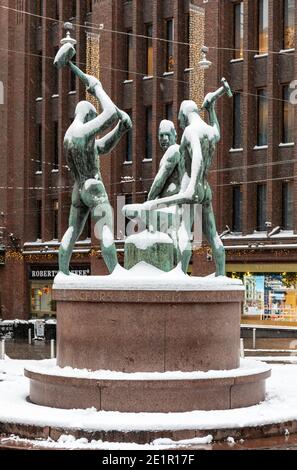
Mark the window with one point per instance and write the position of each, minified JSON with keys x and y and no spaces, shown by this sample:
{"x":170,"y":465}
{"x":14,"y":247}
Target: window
{"x":288,"y":116}
{"x":39,"y":147}
{"x":128,"y":154}
{"x":289,"y":23}
{"x":129,"y":57}
{"x":169,"y":45}
{"x":169,"y":111}
{"x":38,"y":220}
{"x":39,"y":12}
{"x":89,"y":227}
{"x":261,"y":207}
{"x":39,"y":75}
{"x":188,"y":40}
{"x":237,"y":120}
{"x":263,"y":26}
{"x":287,"y":206}
{"x":238,"y":30}
{"x":72,"y":77}
{"x":73,"y":9}
{"x":55,"y":77}
{"x":41,"y":299}
{"x":56,"y":9}
{"x":148,"y":133}
{"x":19,"y":14}
{"x":262,"y":117}
{"x":128,"y":200}
{"x":55,"y":220}
{"x":149,"y":50}
{"x":89,"y":6}
{"x":56,"y":145}
{"x":237,"y":204}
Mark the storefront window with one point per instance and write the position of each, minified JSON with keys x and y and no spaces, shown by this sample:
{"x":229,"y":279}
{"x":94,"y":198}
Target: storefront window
{"x":41,"y":300}
{"x":269,"y":296}
{"x":41,"y":285}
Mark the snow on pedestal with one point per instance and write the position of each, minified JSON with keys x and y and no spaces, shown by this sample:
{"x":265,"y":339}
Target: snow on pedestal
{"x":146,"y":277}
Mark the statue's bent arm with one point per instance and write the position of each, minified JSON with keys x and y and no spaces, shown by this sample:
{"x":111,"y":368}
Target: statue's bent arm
{"x":214,"y":122}
{"x":162,"y":176}
{"x":191,"y":143}
{"x":107,"y":143}
{"x":110,"y":113}
{"x":100,"y":123}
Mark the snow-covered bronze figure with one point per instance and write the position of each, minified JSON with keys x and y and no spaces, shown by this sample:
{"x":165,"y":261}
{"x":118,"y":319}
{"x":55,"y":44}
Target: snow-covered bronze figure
{"x":82,"y":153}
{"x":197,"y":150}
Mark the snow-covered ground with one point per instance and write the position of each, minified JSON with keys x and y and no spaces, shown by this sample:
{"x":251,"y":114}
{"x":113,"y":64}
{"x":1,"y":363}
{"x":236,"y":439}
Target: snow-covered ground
{"x":280,"y":406}
{"x":68,"y":442}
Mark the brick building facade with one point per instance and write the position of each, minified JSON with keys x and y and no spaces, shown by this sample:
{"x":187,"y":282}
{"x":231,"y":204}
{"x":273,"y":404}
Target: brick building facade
{"x":256,"y":159}
{"x":148,"y":76}
{"x":149,"y":83}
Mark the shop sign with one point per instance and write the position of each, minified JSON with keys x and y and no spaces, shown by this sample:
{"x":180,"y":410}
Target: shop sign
{"x":37,"y":273}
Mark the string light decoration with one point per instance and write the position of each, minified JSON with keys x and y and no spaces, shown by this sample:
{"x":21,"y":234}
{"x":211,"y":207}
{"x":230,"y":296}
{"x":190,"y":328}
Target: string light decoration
{"x":93,"y":62}
{"x":196,"y":40}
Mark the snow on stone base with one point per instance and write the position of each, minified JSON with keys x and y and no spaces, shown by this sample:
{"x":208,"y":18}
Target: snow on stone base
{"x":49,"y":367}
{"x":280,"y":406}
{"x":145,"y":277}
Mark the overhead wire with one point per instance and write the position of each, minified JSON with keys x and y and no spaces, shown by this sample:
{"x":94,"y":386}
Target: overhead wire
{"x":99,"y":28}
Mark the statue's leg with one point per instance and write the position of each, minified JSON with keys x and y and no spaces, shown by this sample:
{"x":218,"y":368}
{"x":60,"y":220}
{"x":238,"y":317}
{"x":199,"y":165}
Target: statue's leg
{"x":77,"y":219}
{"x":184,"y":236}
{"x":103,"y":217}
{"x":210,"y":232}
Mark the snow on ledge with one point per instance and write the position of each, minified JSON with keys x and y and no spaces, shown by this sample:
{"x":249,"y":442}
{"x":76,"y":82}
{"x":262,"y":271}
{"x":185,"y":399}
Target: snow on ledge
{"x":49,"y":367}
{"x":146,"y":277}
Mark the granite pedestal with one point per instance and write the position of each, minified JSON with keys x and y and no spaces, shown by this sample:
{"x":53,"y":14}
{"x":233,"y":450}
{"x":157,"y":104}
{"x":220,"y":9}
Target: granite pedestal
{"x":148,"y":336}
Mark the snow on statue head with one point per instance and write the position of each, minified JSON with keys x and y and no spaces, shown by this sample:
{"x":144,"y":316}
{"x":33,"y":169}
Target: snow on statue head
{"x":167,"y":134}
{"x":85,"y":111}
{"x":186,"y":108}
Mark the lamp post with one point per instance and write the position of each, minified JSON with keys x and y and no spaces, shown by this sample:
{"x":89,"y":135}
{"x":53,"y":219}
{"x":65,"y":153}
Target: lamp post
{"x":204,"y":63}
{"x":68,"y":39}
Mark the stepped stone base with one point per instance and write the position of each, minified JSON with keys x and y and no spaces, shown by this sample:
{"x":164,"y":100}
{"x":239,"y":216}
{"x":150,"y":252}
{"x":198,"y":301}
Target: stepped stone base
{"x":155,"y":395}
{"x":144,"y":336}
